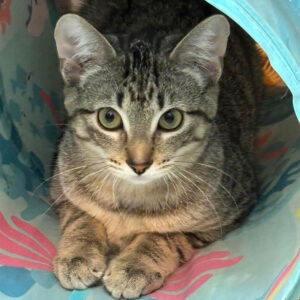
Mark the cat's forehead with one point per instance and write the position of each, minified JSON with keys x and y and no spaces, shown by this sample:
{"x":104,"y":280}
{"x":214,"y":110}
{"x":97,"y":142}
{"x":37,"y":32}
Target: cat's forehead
{"x":140,"y":86}
{"x":139,"y":61}
{"x":140,"y":74}
{"x":139,"y":81}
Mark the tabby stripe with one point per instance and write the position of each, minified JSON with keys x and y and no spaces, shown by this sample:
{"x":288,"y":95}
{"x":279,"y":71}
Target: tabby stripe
{"x":120,"y":97}
{"x":137,"y":273}
{"x":161,"y":100}
{"x":194,"y":240}
{"x":200,"y":113}
{"x":72,"y":219}
{"x":168,"y":242}
{"x":91,"y":242}
{"x":59,"y":205}
{"x":151,"y":93}
{"x":150,"y":249}
{"x":152,"y":255}
{"x":180,"y":254}
{"x":156,"y":73}
{"x":132,"y":94}
{"x":81,"y":111}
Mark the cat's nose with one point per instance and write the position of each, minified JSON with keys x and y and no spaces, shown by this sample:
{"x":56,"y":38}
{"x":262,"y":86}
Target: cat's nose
{"x":139,"y":168}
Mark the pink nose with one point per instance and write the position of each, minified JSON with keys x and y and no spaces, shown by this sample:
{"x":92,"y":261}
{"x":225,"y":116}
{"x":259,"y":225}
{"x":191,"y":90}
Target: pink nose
{"x":139,"y":168}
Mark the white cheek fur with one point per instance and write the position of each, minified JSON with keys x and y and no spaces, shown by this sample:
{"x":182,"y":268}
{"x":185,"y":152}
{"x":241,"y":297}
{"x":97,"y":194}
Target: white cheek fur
{"x":201,"y":130}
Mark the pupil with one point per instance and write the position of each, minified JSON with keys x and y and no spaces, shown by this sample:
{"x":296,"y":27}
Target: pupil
{"x":169,"y":117}
{"x":110,"y":116}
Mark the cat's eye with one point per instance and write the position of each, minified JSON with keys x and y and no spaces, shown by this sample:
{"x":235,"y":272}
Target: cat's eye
{"x":170,"y":120}
{"x":109,"y":118}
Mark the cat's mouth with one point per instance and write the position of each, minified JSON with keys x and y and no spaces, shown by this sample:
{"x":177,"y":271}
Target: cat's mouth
{"x":147,"y":177}
{"x":143,"y":179}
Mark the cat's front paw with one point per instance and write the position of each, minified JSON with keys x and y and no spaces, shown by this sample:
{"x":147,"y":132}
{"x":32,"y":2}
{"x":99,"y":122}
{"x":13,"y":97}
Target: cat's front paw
{"x":128,"y":279}
{"x":79,"y":271}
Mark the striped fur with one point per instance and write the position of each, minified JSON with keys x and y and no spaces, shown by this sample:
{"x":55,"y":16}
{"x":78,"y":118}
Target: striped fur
{"x":133,"y":231}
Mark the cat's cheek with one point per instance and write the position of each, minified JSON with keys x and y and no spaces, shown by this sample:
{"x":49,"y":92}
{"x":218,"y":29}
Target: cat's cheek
{"x":201,"y":131}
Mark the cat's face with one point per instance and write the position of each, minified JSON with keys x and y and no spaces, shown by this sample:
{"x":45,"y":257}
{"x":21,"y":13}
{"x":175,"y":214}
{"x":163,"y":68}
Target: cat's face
{"x":138,"y":114}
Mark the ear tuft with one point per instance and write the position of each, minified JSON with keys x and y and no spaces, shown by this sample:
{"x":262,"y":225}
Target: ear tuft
{"x":78,"y":44}
{"x":204,"y":46}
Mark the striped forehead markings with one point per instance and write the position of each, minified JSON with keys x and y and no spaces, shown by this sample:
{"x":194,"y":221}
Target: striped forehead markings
{"x":161,"y":101}
{"x":120,"y":97}
{"x":141,"y":74}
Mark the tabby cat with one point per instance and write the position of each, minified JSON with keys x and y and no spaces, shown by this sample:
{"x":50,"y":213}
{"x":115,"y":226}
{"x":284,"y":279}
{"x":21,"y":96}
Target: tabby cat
{"x":157,"y":156}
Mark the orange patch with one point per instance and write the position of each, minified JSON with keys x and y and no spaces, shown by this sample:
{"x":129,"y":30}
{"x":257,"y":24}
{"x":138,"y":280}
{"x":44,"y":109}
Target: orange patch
{"x":271,"y":77}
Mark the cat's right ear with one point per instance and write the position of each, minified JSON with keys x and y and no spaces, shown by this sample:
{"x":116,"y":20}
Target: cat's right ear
{"x":204,"y":47}
{"x":80,"y":48}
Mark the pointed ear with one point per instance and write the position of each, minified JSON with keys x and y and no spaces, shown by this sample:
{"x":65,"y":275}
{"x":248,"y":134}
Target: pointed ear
{"x":204,"y":47}
{"x":80,"y":47}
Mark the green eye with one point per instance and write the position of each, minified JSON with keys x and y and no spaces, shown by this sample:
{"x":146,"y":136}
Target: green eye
{"x":109,"y":118}
{"x":170,"y":120}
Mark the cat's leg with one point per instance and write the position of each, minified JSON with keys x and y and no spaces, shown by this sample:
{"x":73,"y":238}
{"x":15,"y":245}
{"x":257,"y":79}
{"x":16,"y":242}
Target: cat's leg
{"x":81,"y":258}
{"x":145,"y":263}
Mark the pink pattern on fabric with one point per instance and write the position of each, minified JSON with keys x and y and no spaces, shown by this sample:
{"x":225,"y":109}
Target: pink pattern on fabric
{"x":5,"y":15}
{"x":35,"y":251}
{"x":186,"y":279}
{"x":182,"y":296}
{"x":21,"y":263}
{"x":273,"y":154}
{"x":260,"y":141}
{"x":50,"y":104}
{"x":42,"y":239}
{"x":283,"y":276}
{"x":9,"y":231}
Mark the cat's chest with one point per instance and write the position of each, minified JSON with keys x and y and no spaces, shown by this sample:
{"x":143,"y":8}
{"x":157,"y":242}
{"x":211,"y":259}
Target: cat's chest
{"x":120,"y":225}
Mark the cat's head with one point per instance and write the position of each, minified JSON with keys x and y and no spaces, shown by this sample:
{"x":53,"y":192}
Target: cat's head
{"x":141,"y":111}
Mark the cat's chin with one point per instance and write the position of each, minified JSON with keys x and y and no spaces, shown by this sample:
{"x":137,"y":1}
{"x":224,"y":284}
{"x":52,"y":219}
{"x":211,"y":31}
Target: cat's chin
{"x":139,"y":179}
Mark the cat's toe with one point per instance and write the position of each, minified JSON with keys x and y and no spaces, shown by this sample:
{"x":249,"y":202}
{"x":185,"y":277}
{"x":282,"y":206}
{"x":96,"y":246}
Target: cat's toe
{"x":78,"y":272}
{"x":130,"y":281}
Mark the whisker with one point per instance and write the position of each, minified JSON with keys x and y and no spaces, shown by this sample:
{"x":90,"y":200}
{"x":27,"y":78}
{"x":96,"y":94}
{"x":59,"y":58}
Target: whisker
{"x":69,"y":170}
{"x":217,"y":169}
{"x":180,"y":184}
{"x":70,"y":189}
{"x":206,"y":197}
{"x":114,"y":196}
{"x":177,"y":187}
{"x":220,"y":184}
{"x":92,"y":174}
{"x":102,"y":184}
{"x":113,"y":190}
{"x":168,"y":190}
{"x":49,"y":178}
{"x":214,"y":189}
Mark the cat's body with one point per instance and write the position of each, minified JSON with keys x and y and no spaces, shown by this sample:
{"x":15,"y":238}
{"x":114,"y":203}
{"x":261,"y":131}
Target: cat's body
{"x":151,"y":220}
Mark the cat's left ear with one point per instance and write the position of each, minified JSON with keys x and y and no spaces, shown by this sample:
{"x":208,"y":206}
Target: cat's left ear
{"x":80,"y":48}
{"x":204,"y":47}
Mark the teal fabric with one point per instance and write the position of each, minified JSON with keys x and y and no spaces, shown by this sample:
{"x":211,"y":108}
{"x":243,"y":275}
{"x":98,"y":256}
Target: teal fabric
{"x":260,"y":260}
{"x":274,"y":24}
